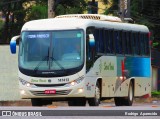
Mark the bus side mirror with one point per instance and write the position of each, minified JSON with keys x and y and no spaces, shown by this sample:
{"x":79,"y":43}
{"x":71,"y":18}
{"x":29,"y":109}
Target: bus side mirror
{"x":91,"y":40}
{"x":13,"y":44}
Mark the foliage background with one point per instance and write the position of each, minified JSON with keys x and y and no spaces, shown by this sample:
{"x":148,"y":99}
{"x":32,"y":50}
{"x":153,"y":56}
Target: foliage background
{"x":145,"y":12}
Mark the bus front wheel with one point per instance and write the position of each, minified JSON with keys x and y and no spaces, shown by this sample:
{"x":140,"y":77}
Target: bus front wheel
{"x":40,"y":102}
{"x":95,"y":101}
{"x":36,"y":102}
{"x":77,"y":102}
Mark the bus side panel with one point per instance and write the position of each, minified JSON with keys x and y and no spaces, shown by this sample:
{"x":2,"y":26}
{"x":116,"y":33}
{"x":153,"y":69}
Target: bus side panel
{"x":104,"y":68}
{"x":142,"y":86}
{"x":89,"y":86}
{"x":136,"y":68}
{"x":140,"y":69}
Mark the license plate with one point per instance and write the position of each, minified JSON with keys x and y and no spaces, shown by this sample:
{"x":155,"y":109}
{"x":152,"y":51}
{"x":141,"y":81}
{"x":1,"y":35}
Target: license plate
{"x":50,"y":91}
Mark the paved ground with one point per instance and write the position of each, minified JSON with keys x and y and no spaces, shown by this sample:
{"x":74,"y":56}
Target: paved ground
{"x":8,"y":75}
{"x":110,"y":111}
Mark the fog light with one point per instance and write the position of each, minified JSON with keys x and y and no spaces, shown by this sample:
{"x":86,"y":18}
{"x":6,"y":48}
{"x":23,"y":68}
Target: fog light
{"x":80,"y":90}
{"x":28,"y":84}
{"x":73,"y":83}
{"x":22,"y":92}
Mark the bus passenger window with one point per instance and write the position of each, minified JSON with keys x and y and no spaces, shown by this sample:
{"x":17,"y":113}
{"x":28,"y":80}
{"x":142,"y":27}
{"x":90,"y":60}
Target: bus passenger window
{"x":124,"y":42}
{"x":133,"y":43}
{"x":106,"y":38}
{"x":146,"y":40}
{"x":97,"y":41}
{"x":142,"y":47}
{"x":137,"y":39}
{"x":110,"y":41}
{"x":129,"y":43}
{"x":116,"y":40}
{"x":99,"y":38}
{"x":101,"y":41}
{"x":120,"y":42}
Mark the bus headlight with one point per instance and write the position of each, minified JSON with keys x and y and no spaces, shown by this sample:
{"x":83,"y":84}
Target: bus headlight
{"x":25,"y":83}
{"x":75,"y":82}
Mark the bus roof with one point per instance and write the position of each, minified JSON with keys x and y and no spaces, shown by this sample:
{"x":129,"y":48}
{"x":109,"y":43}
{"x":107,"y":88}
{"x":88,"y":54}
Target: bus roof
{"x":78,"y":23}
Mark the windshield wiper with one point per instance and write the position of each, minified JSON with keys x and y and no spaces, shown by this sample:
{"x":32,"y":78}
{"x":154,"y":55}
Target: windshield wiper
{"x":62,"y":68}
{"x":48,"y":60}
{"x":45,"y":58}
{"x":53,"y":59}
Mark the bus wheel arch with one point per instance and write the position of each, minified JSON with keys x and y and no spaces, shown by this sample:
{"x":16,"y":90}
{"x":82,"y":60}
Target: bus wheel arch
{"x":133,"y":83}
{"x":127,"y":101}
{"x":130,"y":97}
{"x":95,"y":101}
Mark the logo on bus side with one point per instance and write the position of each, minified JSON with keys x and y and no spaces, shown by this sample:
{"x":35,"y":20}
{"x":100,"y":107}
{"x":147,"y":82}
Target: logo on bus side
{"x":109,"y":66}
{"x":106,"y":66}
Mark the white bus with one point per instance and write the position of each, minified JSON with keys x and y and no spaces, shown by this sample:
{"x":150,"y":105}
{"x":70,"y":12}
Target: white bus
{"x":80,"y":58}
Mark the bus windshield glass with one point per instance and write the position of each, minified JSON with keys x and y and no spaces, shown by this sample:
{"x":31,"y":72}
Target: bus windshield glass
{"x":51,"y":50}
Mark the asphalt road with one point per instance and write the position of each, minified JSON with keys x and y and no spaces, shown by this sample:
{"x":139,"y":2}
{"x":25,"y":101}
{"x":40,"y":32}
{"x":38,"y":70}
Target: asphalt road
{"x":105,"y":110}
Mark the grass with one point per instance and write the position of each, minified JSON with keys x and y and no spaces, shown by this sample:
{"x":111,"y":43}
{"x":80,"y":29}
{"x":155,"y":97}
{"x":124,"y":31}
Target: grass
{"x":156,"y":94}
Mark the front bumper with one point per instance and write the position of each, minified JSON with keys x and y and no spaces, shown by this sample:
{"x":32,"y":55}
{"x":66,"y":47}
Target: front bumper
{"x":61,"y":91}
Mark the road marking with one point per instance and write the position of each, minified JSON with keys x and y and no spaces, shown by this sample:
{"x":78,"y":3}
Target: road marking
{"x":155,"y":106}
{"x":52,"y":106}
{"x":107,"y":106}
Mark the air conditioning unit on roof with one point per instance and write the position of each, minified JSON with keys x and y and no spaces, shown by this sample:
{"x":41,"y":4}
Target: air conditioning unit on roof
{"x":92,"y":16}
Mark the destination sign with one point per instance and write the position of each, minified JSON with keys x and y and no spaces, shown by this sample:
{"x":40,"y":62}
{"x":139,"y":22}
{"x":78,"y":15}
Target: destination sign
{"x":38,"y":36}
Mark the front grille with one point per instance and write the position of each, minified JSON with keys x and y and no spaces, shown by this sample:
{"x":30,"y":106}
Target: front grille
{"x":41,"y":93}
{"x":49,"y":85}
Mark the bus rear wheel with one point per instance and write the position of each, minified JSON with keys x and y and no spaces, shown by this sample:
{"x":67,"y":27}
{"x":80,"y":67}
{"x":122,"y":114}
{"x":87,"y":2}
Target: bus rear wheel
{"x":126,"y":101}
{"x":95,"y":101}
{"x":129,"y":99}
{"x":77,"y":102}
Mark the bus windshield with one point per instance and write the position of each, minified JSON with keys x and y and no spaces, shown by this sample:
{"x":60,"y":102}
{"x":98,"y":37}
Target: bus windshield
{"x":51,"y":50}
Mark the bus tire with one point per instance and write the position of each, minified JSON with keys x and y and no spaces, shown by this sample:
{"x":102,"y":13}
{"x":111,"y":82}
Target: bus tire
{"x":36,"y":102}
{"x":95,"y":101}
{"x":40,"y":102}
{"x":129,"y":99}
{"x":118,"y":101}
{"x":77,"y":102}
{"x":126,"y":101}
{"x":46,"y":102}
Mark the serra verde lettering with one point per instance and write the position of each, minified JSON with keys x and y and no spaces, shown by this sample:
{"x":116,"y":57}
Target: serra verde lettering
{"x":106,"y":66}
{"x":109,"y":66}
{"x":38,"y":80}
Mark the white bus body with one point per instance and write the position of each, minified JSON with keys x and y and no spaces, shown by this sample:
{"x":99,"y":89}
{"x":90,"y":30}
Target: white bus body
{"x":111,"y":75}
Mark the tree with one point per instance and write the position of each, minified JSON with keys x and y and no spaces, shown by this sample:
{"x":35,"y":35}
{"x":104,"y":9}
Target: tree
{"x":16,"y":15}
{"x":51,"y":8}
{"x":112,"y":7}
{"x":1,"y":24}
{"x":70,"y":6}
{"x":37,"y":12}
{"x":147,"y":12}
